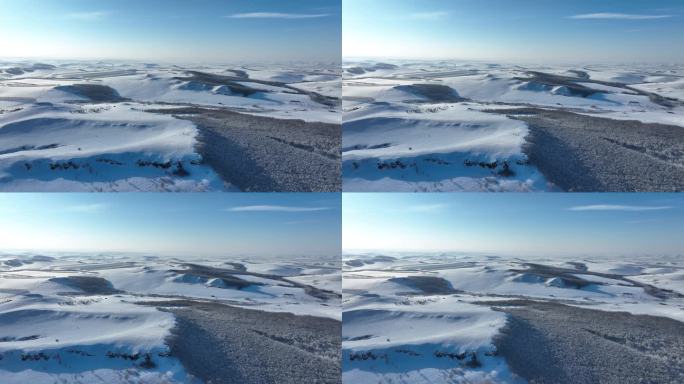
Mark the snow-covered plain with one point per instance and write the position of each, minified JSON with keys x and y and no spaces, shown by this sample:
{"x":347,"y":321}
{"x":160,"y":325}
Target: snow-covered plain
{"x":420,"y":318}
{"x":423,"y":125}
{"x":78,"y":318}
{"x":87,"y":126}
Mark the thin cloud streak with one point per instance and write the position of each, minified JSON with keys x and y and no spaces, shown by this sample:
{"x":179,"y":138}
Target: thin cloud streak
{"x":277,"y":15}
{"x":89,"y":16}
{"x":643,"y":221}
{"x":617,"y":16}
{"x":87,"y":208}
{"x":275,"y":208}
{"x":296,"y":222}
{"x":429,"y":15}
{"x":625,"y":208}
{"x":427,"y":208}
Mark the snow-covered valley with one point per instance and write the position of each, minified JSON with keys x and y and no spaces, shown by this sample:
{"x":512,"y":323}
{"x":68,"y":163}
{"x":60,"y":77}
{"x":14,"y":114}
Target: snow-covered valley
{"x":463,"y":318}
{"x":470,"y":126}
{"x":118,"y":126}
{"x":121,"y":318}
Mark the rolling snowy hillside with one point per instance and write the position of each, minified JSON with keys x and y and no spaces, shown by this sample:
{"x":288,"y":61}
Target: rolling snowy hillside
{"x":115,"y":318}
{"x":462,"y":126}
{"x":463,"y":318}
{"x":110,"y":126}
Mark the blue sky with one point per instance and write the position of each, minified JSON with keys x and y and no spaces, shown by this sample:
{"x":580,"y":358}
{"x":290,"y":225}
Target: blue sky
{"x":516,"y":30}
{"x":519,"y":224}
{"x":306,"y":224}
{"x":172,"y":30}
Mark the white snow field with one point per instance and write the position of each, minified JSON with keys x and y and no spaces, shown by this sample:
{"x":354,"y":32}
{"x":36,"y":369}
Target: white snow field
{"x":81,"y":319}
{"x":425,"y":318}
{"x":88,"y":126}
{"x":431,"y":125}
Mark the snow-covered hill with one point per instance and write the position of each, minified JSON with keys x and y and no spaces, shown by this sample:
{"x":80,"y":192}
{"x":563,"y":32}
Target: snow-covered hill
{"x":108,"y":317}
{"x":444,"y":318}
{"x":450,"y":126}
{"x":97,"y":126}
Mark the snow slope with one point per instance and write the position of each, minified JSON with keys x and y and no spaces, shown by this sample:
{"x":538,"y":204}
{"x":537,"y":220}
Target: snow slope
{"x":425,"y":126}
{"x":419,"y":318}
{"x":77,"y":318}
{"x":88,"y":126}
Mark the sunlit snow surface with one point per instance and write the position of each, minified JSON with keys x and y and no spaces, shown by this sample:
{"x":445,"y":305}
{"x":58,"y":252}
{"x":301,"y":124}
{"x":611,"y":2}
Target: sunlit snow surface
{"x":405,"y":327}
{"x":53,"y":330}
{"x":54,"y":136}
{"x":399,"y":135}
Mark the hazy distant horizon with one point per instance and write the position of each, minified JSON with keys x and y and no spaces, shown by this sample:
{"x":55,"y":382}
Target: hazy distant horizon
{"x":532,"y":255}
{"x":179,"y":62}
{"x":347,"y":60}
{"x":64,"y":60}
{"x":57,"y":253}
{"x":524,"y":30}
{"x":515,"y":224}
{"x":214,"y":224}
{"x":172,"y":30}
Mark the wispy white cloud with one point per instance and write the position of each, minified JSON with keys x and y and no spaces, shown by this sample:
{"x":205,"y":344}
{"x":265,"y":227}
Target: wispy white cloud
{"x":86,"y":208}
{"x":427,"y":208}
{"x":297,"y":222}
{"x":642,"y":221}
{"x":619,"y":16}
{"x":277,"y":15}
{"x":429,"y":15}
{"x":89,"y":16}
{"x":274,"y":208}
{"x":611,"y":207}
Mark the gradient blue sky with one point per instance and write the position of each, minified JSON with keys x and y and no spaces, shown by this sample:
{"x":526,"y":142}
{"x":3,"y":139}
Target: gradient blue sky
{"x":172,"y":30}
{"x":518,"y":224}
{"x":520,"y":30}
{"x":189,"y":224}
